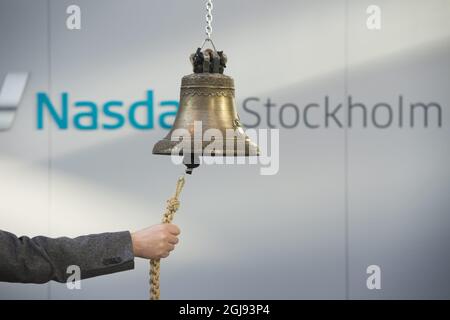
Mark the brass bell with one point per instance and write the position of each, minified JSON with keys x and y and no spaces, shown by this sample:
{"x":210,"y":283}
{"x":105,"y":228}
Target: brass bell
{"x":207,"y":97}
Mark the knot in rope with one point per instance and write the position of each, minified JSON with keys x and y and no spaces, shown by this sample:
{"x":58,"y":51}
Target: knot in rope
{"x":172,"y":205}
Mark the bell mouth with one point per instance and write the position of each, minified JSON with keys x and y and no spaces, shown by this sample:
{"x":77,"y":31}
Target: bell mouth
{"x":241,"y":148}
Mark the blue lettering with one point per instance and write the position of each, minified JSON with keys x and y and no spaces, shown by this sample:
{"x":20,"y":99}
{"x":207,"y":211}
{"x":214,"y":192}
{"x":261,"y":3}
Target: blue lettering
{"x":91,"y":116}
{"x":85,"y":115}
{"x":120,"y":120}
{"x":163,"y":116}
{"x":148,"y":104}
{"x":44,"y":101}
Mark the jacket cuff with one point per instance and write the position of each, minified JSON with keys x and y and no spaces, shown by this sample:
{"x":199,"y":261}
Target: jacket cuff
{"x":116,"y":254}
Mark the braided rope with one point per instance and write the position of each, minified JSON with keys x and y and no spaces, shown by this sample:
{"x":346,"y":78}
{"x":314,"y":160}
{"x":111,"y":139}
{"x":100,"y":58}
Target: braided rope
{"x":172,"y":206}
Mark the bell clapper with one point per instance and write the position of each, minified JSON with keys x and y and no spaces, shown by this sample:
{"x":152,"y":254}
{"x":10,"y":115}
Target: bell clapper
{"x":191,"y":161}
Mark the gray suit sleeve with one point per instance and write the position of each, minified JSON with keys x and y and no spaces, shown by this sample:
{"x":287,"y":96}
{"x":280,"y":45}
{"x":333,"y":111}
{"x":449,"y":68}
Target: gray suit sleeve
{"x":41,"y":259}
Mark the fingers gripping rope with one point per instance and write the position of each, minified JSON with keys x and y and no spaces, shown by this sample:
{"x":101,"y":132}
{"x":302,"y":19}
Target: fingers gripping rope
{"x":172,"y":206}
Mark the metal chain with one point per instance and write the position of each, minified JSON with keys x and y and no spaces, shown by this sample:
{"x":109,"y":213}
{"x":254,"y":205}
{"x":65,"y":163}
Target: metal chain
{"x":209,"y":18}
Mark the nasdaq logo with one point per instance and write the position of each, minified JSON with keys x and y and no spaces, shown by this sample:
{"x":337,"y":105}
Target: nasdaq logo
{"x":67,"y":113}
{"x":11,"y":93}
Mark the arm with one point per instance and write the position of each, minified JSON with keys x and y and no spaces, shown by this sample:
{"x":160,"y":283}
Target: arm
{"x":41,"y":259}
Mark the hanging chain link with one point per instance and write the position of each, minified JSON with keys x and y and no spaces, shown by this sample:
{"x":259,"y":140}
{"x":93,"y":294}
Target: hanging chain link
{"x":209,"y":18}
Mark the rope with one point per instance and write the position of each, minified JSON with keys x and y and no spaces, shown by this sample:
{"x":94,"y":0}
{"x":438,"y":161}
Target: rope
{"x":172,"y":206}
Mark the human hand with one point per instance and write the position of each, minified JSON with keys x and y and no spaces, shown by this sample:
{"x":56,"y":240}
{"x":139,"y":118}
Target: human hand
{"x":155,"y":242}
